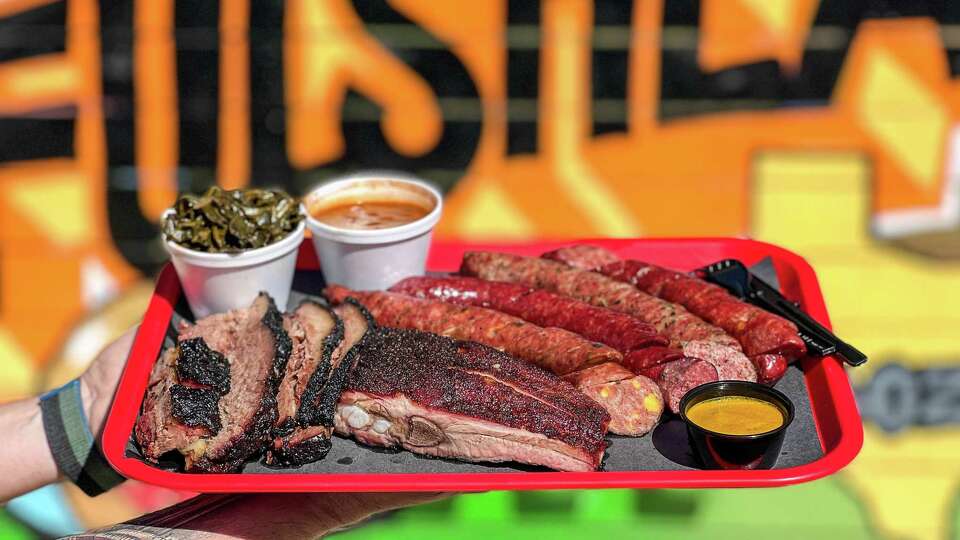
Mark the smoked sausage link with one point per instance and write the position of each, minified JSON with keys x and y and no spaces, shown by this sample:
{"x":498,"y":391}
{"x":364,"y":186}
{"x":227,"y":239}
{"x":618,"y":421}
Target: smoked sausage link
{"x":615,"y":329}
{"x":770,"y":341}
{"x":670,"y":319}
{"x":633,"y":401}
{"x":757,"y":330}
{"x":677,"y":378}
{"x":553,"y":349}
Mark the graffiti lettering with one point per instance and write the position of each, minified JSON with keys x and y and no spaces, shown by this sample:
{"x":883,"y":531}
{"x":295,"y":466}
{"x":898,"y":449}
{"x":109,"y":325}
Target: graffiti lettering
{"x":34,"y":37}
{"x":446,"y":76}
{"x":157,"y":147}
{"x":897,"y":397}
{"x":523,"y":59}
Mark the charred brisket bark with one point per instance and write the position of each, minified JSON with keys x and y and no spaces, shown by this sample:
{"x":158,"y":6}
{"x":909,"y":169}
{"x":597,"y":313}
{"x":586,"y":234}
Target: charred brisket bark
{"x":315,"y":332}
{"x":204,"y":376}
{"x":358,"y":322}
{"x":256,"y":347}
{"x":198,"y":364}
{"x":196,"y":407}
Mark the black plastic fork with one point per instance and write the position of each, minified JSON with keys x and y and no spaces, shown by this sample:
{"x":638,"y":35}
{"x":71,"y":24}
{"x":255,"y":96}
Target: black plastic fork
{"x":735,"y":277}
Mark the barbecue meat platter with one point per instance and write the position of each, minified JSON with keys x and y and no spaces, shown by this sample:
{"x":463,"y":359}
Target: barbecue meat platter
{"x":575,"y":360}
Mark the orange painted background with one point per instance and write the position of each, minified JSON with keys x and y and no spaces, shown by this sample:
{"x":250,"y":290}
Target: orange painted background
{"x":828,"y":127}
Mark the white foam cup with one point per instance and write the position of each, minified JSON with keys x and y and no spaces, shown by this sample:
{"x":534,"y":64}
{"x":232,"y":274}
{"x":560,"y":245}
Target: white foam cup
{"x":373,"y":259}
{"x":219,"y":282}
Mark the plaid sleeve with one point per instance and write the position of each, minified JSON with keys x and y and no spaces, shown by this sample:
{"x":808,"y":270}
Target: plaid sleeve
{"x":71,"y":442}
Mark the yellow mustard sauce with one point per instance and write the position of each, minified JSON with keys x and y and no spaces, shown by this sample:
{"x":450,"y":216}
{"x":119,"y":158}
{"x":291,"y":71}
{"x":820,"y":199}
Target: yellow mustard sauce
{"x":736,"y":415}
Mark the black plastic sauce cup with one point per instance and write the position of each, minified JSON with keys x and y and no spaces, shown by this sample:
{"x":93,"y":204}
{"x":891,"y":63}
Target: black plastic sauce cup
{"x":723,"y":451}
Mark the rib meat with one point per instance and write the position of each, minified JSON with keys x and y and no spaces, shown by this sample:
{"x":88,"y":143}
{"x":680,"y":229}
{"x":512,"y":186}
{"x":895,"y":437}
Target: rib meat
{"x":437,"y":396}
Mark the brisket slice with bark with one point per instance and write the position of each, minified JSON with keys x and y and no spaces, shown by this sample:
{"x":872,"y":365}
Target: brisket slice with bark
{"x":157,"y":430}
{"x":324,"y":343}
{"x":203,"y":376}
{"x":315,"y":332}
{"x":441,"y":397}
{"x":190,"y":379}
{"x":357,"y":324}
{"x":257,"y":348}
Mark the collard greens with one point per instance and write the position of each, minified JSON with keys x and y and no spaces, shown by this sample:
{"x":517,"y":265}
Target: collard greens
{"x":231,"y":221}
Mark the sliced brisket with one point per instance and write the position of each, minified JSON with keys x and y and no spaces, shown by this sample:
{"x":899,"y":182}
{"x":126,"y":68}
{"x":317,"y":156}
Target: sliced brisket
{"x":315,"y":332}
{"x":257,"y":348}
{"x":357,"y":322}
{"x":323,"y":351}
{"x":437,"y":396}
{"x":157,"y":430}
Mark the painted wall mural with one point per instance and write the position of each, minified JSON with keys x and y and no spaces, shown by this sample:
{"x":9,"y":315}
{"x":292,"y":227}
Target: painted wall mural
{"x":826,"y":126}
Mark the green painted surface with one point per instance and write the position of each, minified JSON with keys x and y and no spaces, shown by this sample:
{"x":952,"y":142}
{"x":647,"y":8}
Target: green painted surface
{"x":10,"y":529}
{"x":821,"y":509}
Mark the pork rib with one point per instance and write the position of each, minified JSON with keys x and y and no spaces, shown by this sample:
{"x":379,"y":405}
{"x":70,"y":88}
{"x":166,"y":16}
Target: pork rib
{"x":436,"y":396}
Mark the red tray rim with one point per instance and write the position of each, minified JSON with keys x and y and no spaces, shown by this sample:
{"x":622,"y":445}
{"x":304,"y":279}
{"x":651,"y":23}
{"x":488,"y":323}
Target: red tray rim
{"x":835,"y":412}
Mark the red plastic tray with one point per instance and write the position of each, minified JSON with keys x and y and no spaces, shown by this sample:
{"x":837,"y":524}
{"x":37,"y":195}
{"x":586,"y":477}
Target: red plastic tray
{"x":835,"y":412}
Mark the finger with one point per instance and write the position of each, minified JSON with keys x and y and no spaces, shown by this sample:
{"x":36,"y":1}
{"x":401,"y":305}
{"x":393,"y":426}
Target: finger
{"x":269,"y":516}
{"x":113,"y":357}
{"x":122,"y":345}
{"x":339,"y":510}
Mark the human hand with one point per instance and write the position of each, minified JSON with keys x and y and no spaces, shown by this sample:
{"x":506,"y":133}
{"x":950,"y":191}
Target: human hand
{"x":233,"y":516}
{"x":26,"y":460}
{"x":264,"y":516}
{"x":99,"y":383}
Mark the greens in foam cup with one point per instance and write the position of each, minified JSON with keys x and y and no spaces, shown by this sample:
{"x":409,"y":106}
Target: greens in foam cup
{"x":219,"y":282}
{"x":374,"y":259}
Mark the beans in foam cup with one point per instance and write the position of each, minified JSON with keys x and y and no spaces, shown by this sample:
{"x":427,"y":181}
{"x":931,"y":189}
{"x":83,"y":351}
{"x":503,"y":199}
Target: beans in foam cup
{"x":373,"y":229}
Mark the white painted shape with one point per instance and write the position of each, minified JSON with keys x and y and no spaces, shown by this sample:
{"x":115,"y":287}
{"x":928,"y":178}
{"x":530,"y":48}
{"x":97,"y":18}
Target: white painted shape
{"x":97,"y":286}
{"x":899,"y":223}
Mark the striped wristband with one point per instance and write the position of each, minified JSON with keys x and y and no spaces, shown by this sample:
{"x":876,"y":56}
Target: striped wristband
{"x":71,"y":442}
